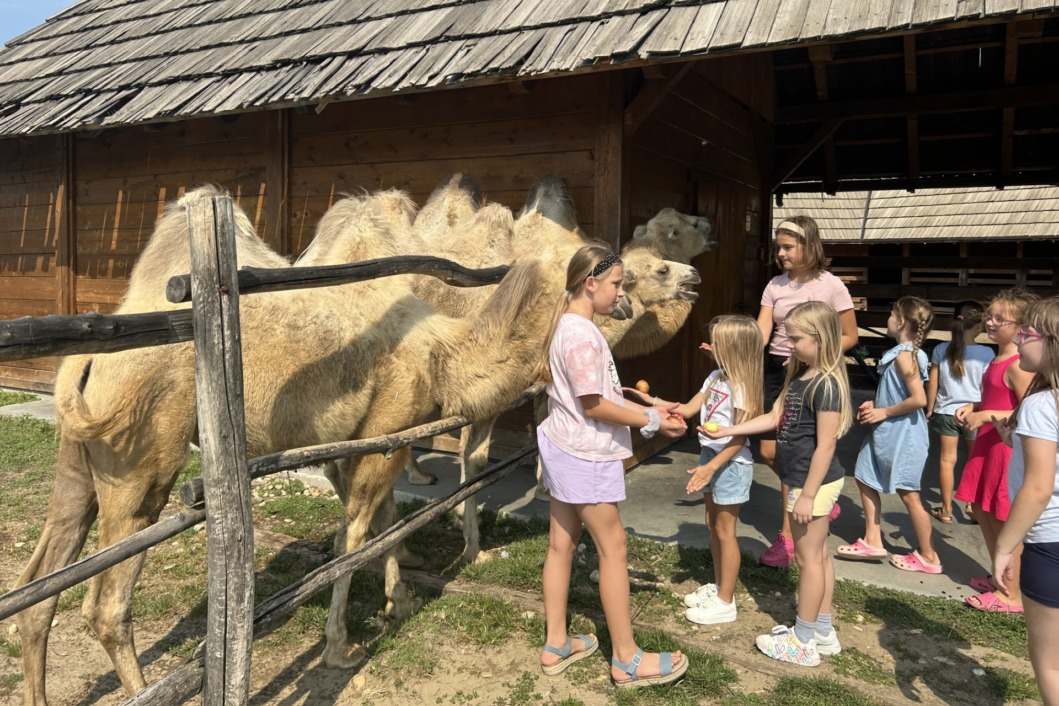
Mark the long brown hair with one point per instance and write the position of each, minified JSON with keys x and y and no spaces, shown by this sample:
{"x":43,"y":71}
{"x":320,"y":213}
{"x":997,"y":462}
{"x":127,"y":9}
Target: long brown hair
{"x":807,"y":233}
{"x":919,"y":313}
{"x":735,"y":341}
{"x":1043,"y":316}
{"x":582,"y":265}
{"x":965,"y":315}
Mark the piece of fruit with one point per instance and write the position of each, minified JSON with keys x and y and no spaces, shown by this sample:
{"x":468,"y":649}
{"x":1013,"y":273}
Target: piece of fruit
{"x":675,"y":416}
{"x":711,"y":426}
{"x":642,"y":386}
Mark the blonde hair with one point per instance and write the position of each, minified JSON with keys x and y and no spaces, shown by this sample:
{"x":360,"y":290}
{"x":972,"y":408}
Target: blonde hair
{"x":735,"y":341}
{"x":582,"y":265}
{"x":1044,"y":317}
{"x":820,"y":321}
{"x":964,"y":315}
{"x":807,"y":233}
{"x":1017,"y":301}
{"x":920,"y":314}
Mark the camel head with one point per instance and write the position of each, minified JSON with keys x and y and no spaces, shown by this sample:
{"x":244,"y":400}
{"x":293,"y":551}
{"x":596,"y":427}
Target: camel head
{"x":454,"y":201}
{"x":675,"y":235}
{"x":650,"y":280}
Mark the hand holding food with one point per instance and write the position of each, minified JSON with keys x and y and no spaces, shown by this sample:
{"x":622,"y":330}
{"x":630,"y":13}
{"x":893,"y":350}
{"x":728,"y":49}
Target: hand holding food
{"x":711,"y":426}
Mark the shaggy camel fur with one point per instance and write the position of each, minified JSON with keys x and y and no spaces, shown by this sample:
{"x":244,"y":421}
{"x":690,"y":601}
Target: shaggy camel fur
{"x":320,"y":366}
{"x":451,"y":225}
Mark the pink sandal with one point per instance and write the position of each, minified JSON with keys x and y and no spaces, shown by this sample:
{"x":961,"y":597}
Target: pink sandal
{"x":914,"y":562}
{"x":991,"y":603}
{"x":861,"y":551}
{"x":982,"y":584}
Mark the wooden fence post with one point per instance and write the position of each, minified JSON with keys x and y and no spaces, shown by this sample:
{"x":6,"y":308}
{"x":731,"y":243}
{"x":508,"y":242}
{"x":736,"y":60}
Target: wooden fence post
{"x":222,"y":437}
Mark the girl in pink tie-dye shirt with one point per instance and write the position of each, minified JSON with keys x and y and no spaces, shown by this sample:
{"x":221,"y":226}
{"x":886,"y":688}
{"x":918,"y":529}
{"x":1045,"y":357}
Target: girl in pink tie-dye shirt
{"x":582,"y":444}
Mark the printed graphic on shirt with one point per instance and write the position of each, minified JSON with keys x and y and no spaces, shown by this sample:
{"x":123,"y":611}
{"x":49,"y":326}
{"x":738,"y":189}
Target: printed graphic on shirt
{"x":614,"y":374}
{"x":792,"y":412}
{"x":715,"y":399}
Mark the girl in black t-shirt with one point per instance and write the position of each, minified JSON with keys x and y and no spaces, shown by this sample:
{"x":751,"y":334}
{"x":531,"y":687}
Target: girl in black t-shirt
{"x":813,"y":411}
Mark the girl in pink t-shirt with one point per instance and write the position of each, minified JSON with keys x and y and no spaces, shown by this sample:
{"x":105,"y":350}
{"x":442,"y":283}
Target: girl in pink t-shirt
{"x":582,"y":443}
{"x":799,"y":252}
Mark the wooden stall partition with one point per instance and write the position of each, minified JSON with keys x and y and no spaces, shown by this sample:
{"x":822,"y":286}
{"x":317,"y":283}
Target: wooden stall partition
{"x":125,"y":176}
{"x":700,"y":152}
{"x":33,"y":228}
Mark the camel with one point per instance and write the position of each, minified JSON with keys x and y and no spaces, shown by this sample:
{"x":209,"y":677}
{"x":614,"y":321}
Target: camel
{"x":320,"y":365}
{"x":452,"y":224}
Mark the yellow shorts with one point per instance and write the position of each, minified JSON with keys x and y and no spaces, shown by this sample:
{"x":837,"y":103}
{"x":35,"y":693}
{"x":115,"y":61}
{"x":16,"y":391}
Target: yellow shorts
{"x":825,"y":498}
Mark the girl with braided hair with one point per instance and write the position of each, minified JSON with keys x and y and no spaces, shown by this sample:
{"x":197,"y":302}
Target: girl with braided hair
{"x":892,"y":456}
{"x":984,"y":483}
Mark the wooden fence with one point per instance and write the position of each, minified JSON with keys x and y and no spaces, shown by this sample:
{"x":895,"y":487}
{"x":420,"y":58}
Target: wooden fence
{"x":220,"y":667}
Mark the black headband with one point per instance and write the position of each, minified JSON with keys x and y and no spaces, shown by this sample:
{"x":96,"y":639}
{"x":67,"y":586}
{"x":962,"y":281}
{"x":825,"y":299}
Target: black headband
{"x":605,"y":264}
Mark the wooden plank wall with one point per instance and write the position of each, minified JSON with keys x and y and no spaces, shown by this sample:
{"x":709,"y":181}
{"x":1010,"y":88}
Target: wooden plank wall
{"x":699,"y":153}
{"x":124,"y":177}
{"x":30,"y":226}
{"x":505,"y":138}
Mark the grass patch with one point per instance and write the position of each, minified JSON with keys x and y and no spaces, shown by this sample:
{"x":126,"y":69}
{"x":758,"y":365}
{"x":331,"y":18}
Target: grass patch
{"x":804,"y":691}
{"x":1007,"y":685}
{"x":12,"y":397}
{"x":11,"y":648}
{"x":9,"y":682}
{"x":937,"y":617}
{"x":853,"y":663}
{"x":304,"y":516}
{"x":707,"y":674}
{"x":28,"y":448}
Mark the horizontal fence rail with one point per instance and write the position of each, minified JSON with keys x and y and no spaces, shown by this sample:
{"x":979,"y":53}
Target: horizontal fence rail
{"x":37,"y":336}
{"x":181,"y":684}
{"x":267,"y":279}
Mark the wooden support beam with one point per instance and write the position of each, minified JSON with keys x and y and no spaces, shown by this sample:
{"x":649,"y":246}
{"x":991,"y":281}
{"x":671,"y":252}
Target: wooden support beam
{"x":912,"y":141}
{"x":277,"y":181}
{"x":1007,"y":118}
{"x":64,"y":233}
{"x":912,"y":121}
{"x":818,"y":138}
{"x":955,"y":102}
{"x":609,"y":158}
{"x":821,"y":56}
{"x":651,"y":96}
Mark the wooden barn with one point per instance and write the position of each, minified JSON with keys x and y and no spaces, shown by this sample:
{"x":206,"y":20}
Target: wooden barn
{"x":113,"y":107}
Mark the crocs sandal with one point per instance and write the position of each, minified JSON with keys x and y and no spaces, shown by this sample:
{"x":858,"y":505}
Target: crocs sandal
{"x":991,"y":603}
{"x":670,"y":673}
{"x":860,"y":551}
{"x":568,"y":655}
{"x":914,"y":562}
{"x":941,"y":516}
{"x":982,"y":584}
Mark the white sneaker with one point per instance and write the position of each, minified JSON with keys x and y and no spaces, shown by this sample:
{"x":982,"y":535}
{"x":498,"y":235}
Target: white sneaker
{"x":828,"y":645}
{"x":700,"y":595}
{"x":712,"y":611}
{"x":783,"y":644}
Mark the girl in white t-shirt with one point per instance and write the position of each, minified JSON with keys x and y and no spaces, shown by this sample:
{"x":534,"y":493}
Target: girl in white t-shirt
{"x":956,"y":369}
{"x":1034,"y":487}
{"x":582,"y":443}
{"x":730,"y":395}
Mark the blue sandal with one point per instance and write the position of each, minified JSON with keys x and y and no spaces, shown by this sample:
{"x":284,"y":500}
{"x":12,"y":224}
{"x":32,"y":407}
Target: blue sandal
{"x":568,"y":655}
{"x":668,"y":676}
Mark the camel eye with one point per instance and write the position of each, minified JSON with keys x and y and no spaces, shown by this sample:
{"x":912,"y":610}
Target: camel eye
{"x":663,"y":270}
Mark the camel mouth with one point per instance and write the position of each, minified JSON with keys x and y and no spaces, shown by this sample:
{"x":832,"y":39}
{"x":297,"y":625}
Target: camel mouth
{"x":687,"y":295}
{"x":623,"y":310}
{"x":686,"y":290}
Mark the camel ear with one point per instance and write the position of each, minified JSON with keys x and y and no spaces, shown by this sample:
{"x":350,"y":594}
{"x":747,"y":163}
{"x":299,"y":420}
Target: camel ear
{"x":629,"y":280}
{"x":639,"y":232}
{"x":672,"y":234}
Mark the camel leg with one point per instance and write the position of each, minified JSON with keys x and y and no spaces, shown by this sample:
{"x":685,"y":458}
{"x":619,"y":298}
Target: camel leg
{"x":71,"y":512}
{"x":474,"y":456}
{"x":416,"y":475}
{"x":107,"y":606}
{"x":388,"y":518}
{"x":540,"y":413}
{"x":400,"y":602}
{"x":368,"y":484}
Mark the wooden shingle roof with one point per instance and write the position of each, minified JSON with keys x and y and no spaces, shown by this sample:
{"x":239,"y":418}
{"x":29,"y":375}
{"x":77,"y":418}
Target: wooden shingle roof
{"x":111,"y":62}
{"x":1014,"y":213}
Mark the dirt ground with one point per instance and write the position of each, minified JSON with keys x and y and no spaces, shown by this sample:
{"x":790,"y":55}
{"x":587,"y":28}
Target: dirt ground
{"x":290,"y":672}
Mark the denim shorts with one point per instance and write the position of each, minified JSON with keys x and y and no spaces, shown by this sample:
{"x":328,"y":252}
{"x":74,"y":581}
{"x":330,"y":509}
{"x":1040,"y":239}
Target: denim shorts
{"x":730,"y":485}
{"x":945,"y":425}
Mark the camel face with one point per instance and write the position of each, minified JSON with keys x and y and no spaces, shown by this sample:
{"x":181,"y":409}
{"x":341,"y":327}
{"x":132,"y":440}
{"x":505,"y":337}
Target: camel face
{"x":650,"y":280}
{"x":675,"y":236}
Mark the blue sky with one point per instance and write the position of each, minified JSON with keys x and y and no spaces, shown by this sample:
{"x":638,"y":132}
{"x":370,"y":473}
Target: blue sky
{"x":17,"y":16}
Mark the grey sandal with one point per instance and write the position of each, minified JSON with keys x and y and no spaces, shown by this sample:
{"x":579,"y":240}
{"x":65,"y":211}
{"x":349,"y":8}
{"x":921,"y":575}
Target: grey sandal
{"x":568,"y":655}
{"x":669,"y":673}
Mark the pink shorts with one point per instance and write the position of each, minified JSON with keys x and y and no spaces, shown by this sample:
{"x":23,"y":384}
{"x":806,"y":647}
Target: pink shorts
{"x":576,"y":480}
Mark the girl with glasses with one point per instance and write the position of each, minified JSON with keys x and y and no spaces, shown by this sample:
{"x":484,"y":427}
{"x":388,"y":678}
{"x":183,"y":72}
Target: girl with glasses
{"x":1034,"y":516}
{"x":985,"y":475}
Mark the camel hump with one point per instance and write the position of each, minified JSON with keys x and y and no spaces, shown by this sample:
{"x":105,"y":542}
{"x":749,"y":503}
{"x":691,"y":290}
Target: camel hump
{"x":550,"y":197}
{"x":459,"y":182}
